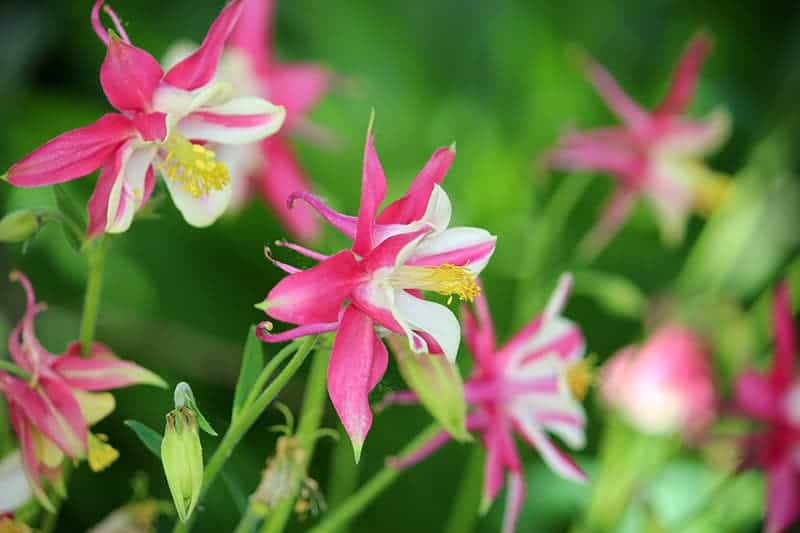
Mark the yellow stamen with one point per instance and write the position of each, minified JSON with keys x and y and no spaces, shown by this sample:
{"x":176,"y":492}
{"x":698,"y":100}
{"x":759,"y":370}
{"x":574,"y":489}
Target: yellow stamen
{"x":711,"y":191}
{"x":8,"y":525}
{"x":194,"y":166}
{"x":580,"y":377}
{"x":101,"y":453}
{"x":445,"y":279}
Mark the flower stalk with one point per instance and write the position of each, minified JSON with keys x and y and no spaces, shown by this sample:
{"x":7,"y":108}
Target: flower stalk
{"x":96,"y":258}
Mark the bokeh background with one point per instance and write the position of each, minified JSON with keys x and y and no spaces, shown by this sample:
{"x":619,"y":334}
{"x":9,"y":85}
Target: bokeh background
{"x":496,"y":77}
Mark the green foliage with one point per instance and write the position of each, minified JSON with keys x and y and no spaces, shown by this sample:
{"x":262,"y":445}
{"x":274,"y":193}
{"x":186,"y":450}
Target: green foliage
{"x":252,"y":364}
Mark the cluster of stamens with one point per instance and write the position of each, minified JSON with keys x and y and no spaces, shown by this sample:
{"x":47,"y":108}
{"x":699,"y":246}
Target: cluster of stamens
{"x":579,"y":378}
{"x":194,"y":166}
{"x":445,"y":279}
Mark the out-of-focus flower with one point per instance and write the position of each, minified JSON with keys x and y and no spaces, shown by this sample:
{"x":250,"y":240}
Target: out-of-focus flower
{"x":134,"y":517}
{"x":269,"y":167}
{"x":531,"y":385}
{"x":773,"y":399}
{"x":405,"y":249}
{"x":164,"y":123}
{"x":15,"y":490}
{"x":9,"y":525}
{"x":655,"y":155}
{"x":664,"y":386}
{"x":52,"y":408}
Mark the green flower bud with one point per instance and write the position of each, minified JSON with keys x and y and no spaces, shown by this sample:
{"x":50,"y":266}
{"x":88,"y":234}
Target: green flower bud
{"x":182,"y":457}
{"x":21,"y":225}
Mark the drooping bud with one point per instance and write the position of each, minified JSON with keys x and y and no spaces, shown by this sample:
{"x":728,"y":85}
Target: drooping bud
{"x":21,"y":225}
{"x":182,"y":457}
{"x":664,"y":386}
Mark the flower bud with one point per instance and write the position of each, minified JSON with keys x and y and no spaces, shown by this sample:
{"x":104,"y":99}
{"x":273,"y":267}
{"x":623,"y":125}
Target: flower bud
{"x":665,"y":385}
{"x":21,"y":225}
{"x":182,"y":457}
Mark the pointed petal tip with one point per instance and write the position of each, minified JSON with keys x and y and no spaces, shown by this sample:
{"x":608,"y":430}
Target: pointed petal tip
{"x":357,"y":446}
{"x":263,"y":306}
{"x":452,"y":147}
{"x":371,"y":122}
{"x":4,"y":177}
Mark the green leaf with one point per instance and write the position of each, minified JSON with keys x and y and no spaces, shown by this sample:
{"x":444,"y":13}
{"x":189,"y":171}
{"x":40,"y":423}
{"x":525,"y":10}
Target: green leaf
{"x":252,"y":364}
{"x":73,"y":220}
{"x":149,"y":437}
{"x":437,"y":383}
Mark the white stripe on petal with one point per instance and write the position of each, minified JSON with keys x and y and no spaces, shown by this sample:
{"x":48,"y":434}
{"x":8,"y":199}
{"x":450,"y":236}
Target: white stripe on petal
{"x":561,"y":463}
{"x":430,"y":317}
{"x":128,"y":189}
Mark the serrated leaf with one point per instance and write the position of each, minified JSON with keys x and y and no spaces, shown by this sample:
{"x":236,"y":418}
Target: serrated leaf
{"x":149,"y":437}
{"x":437,"y":383}
{"x":252,"y":364}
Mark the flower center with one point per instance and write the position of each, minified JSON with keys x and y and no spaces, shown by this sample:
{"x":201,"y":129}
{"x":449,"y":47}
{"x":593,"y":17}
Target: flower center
{"x":445,"y":279}
{"x":194,"y":166}
{"x":579,"y":378}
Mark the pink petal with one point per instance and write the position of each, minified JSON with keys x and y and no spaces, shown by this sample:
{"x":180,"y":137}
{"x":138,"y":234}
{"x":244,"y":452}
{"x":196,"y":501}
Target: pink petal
{"x":611,"y":150}
{"x":757,"y":396}
{"x":387,"y":252}
{"x":151,"y":126}
{"x":373,"y":190}
{"x":614,"y":97}
{"x":479,"y":330}
{"x":615,"y":213}
{"x":514,"y":501}
{"x":558,"y":461}
{"x":53,"y":410}
{"x":783,"y":497}
{"x":297,"y":87}
{"x":27,"y":447}
{"x":101,"y":371}
{"x":412,"y":206}
{"x":350,"y":373}
{"x":295,"y":333}
{"x":129,"y":76}
{"x":25,"y":348}
{"x":421,"y":453}
{"x":315,"y":295}
{"x":73,"y":154}
{"x":98,"y":202}
{"x":344,"y":223}
{"x":281,"y":177}
{"x":253,"y":33}
{"x":782,"y":373}
{"x":467,"y":247}
{"x":199,"y":68}
{"x":685,"y":76}
{"x":238,"y":121}
{"x":380,"y":361}
{"x":493,"y":469}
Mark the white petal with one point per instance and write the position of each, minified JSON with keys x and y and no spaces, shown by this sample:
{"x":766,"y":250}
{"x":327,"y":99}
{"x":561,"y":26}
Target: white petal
{"x":129,"y":186}
{"x":199,"y":211}
{"x":242,"y":160}
{"x":555,"y":458}
{"x":550,"y":331}
{"x":430,"y":317}
{"x":177,"y":52}
{"x":437,"y":214}
{"x":15,"y":490}
{"x":177,"y":103}
{"x":238,"y":121}
{"x":455,"y":246}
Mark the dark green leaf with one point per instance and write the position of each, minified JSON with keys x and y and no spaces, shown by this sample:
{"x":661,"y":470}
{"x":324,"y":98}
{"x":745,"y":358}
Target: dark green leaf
{"x":252,"y":363}
{"x":73,"y":221}
{"x":149,"y":437}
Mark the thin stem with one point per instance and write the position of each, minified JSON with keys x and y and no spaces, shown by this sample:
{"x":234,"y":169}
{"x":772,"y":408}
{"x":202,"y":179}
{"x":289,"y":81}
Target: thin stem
{"x":11,"y":368}
{"x":248,"y":522}
{"x":270,"y":369}
{"x":467,"y":500}
{"x":313,"y":409}
{"x":91,"y":302}
{"x":358,"y":501}
{"x":245,"y":421}
{"x":343,"y":477}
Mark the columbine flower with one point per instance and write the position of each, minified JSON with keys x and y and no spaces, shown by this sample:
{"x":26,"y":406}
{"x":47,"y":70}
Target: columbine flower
{"x":269,"y":167}
{"x":52,"y":410}
{"x":531,"y":385}
{"x":664,"y":386}
{"x":404,"y":250}
{"x":164,"y":123}
{"x":655,"y":154}
{"x":774,"y":400}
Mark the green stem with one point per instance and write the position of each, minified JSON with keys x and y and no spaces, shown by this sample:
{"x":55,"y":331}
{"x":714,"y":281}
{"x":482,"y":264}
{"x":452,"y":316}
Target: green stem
{"x":468,"y":498}
{"x":245,"y":421}
{"x":270,"y":369}
{"x":343,"y":477}
{"x":313,"y":409}
{"x":11,"y":368}
{"x":91,"y":303}
{"x":248,"y":522}
{"x":340,"y":517}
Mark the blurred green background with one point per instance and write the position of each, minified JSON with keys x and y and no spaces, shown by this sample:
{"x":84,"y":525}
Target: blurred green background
{"x":497,"y":78}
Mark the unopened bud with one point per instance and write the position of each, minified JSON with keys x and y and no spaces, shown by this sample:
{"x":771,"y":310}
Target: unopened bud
{"x":182,"y":457}
{"x":19,"y":226}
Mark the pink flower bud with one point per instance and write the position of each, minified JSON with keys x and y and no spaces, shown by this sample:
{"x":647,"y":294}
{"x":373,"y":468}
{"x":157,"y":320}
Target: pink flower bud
{"x":665,"y":385}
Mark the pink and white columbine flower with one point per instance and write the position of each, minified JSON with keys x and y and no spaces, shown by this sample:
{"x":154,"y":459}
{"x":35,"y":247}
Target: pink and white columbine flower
{"x":164,"y":123}
{"x":773,"y":399}
{"x":664,"y":386}
{"x":531,"y":385}
{"x":52,"y":409}
{"x":405,"y":249}
{"x":654,"y":155}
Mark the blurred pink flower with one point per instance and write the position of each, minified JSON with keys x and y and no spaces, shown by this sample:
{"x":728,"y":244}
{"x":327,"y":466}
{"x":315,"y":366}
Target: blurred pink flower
{"x":51,"y":411}
{"x":655,"y":155}
{"x":164,"y":120}
{"x":664,"y":386}
{"x":405,"y":249}
{"x":531,"y":385}
{"x":271,"y":167}
{"x":774,"y":400}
